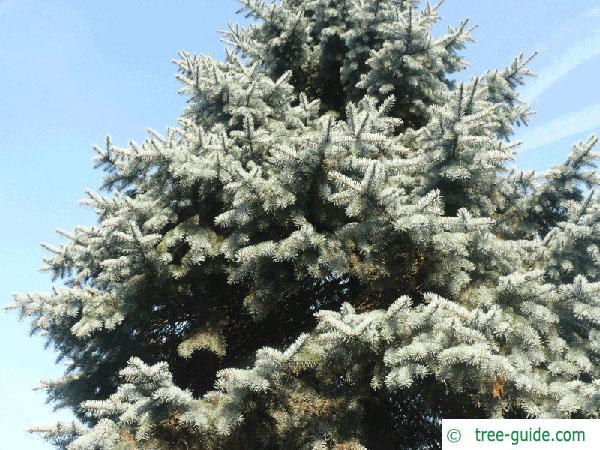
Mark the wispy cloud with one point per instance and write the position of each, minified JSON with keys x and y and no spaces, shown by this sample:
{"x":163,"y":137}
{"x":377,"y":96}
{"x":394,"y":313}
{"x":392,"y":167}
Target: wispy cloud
{"x":569,"y":124}
{"x":581,"y":52}
{"x":569,"y":58}
{"x":8,"y":5}
{"x":592,"y":13}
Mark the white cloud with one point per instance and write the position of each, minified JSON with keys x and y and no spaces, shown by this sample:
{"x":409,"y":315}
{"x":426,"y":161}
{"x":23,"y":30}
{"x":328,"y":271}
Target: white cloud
{"x":578,"y":54}
{"x":8,"y":5}
{"x":592,"y":13}
{"x":569,"y":124}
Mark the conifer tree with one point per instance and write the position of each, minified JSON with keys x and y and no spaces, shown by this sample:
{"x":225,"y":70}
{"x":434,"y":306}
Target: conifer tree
{"x":328,"y":252}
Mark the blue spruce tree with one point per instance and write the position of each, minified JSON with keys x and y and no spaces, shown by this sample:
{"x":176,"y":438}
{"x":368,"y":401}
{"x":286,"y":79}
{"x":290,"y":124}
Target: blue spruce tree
{"x":328,"y":252}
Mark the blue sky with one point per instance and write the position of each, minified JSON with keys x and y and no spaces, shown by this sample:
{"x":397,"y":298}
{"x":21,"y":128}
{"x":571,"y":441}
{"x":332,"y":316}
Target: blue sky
{"x":72,"y":71}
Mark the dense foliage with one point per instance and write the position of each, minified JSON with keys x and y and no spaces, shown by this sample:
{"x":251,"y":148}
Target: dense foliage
{"x":329,"y":251}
